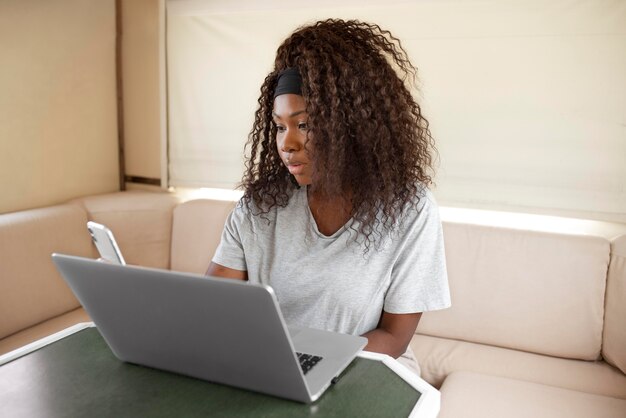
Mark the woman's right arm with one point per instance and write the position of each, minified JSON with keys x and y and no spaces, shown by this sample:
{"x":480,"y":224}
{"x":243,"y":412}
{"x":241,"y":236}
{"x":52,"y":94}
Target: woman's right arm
{"x":218,"y":270}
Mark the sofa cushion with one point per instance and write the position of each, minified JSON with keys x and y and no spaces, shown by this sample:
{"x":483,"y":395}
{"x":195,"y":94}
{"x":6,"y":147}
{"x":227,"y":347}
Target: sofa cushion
{"x":439,"y":357}
{"x":141,"y":222}
{"x":535,"y":291}
{"x":614,"y":345}
{"x":196,"y":232}
{"x":32,"y":290}
{"x":43,"y":329}
{"x":469,"y":395}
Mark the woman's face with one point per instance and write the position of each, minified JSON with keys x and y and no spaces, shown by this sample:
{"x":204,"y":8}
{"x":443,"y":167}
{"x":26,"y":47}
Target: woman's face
{"x":290,"y":118}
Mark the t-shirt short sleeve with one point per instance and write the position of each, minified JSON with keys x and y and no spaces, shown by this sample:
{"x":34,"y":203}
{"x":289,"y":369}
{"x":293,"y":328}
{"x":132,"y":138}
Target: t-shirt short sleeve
{"x":229,"y":252}
{"x":419,"y":280}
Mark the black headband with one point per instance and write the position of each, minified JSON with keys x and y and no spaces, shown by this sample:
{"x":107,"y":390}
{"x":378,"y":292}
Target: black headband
{"x":289,"y":82}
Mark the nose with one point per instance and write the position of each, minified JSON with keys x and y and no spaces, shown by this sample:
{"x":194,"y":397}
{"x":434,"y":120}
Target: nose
{"x":290,"y":142}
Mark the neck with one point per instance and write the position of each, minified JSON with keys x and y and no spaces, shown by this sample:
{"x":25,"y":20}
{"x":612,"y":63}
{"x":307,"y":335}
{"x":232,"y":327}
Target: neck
{"x":330,"y":212}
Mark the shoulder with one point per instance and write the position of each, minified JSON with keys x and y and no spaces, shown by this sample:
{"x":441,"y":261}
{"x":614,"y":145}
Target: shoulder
{"x":419,"y":221}
{"x":421,"y":207}
{"x":255,"y":212}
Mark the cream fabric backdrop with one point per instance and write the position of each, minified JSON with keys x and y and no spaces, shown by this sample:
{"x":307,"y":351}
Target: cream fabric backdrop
{"x":526,"y":99}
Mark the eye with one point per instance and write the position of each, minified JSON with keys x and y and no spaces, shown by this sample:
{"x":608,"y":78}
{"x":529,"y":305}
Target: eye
{"x":303,"y":126}
{"x":279,"y":128}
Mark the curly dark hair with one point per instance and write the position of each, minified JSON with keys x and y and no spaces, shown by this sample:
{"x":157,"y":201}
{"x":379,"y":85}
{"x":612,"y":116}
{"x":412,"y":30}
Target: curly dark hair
{"x":370,"y":139}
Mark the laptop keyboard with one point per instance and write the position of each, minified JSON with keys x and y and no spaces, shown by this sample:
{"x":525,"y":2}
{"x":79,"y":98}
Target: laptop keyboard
{"x":307,"y":361}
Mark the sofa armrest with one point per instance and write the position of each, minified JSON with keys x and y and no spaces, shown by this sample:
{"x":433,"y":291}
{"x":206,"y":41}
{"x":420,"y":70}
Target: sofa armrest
{"x":614,"y":334}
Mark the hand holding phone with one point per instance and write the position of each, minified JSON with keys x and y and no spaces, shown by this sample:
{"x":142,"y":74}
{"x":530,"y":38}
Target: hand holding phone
{"x":105,"y":243}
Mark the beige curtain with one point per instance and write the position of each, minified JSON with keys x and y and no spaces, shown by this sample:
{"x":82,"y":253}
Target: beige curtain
{"x":526,"y":99}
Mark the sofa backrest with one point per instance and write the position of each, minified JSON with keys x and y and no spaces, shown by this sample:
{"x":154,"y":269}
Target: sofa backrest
{"x":535,"y":291}
{"x":140,"y":221}
{"x":614,"y":344}
{"x":528,"y":289}
{"x":32,"y":290}
{"x":196,"y":232}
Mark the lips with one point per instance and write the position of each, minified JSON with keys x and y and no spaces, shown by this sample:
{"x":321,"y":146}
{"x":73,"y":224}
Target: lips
{"x":295,"y":168}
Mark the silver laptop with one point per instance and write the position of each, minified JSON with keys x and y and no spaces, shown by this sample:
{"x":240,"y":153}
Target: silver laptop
{"x":224,"y":331}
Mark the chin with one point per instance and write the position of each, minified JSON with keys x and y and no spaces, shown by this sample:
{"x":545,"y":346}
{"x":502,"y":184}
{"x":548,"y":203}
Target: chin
{"x":303,"y":181}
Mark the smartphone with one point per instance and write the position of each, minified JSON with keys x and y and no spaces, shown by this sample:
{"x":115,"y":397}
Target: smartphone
{"x":105,"y":243}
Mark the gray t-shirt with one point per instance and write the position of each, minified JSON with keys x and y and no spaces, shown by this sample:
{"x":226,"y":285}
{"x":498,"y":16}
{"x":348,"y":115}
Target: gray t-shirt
{"x":330,"y":282}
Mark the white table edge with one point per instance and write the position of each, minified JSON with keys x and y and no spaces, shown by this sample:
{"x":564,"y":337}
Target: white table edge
{"x":429,"y":403}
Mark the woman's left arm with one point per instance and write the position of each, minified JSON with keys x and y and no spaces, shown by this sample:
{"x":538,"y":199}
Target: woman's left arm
{"x":393,"y":334}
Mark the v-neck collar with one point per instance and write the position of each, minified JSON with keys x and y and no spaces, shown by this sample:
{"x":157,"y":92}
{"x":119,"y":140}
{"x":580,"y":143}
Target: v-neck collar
{"x":305,"y":201}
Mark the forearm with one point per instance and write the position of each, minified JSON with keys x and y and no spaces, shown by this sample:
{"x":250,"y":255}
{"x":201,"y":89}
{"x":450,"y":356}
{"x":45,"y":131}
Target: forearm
{"x":382,"y":341}
{"x":393,"y":334}
{"x":217,"y":270}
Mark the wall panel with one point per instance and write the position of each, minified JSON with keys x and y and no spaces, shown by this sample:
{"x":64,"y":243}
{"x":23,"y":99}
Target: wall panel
{"x":58,"y":122}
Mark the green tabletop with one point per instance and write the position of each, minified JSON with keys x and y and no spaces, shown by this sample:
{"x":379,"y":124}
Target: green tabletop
{"x":78,"y":376}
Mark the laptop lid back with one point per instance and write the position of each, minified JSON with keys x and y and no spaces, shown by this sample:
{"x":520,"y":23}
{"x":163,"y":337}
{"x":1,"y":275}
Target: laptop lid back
{"x":220,"y":330}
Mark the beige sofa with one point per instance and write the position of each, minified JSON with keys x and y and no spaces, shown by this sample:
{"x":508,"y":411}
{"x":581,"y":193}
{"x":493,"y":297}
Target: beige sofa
{"x":537,"y":327}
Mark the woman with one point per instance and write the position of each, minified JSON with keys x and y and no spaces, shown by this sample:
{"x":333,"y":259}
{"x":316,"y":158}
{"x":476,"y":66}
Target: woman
{"x":336,"y":215}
